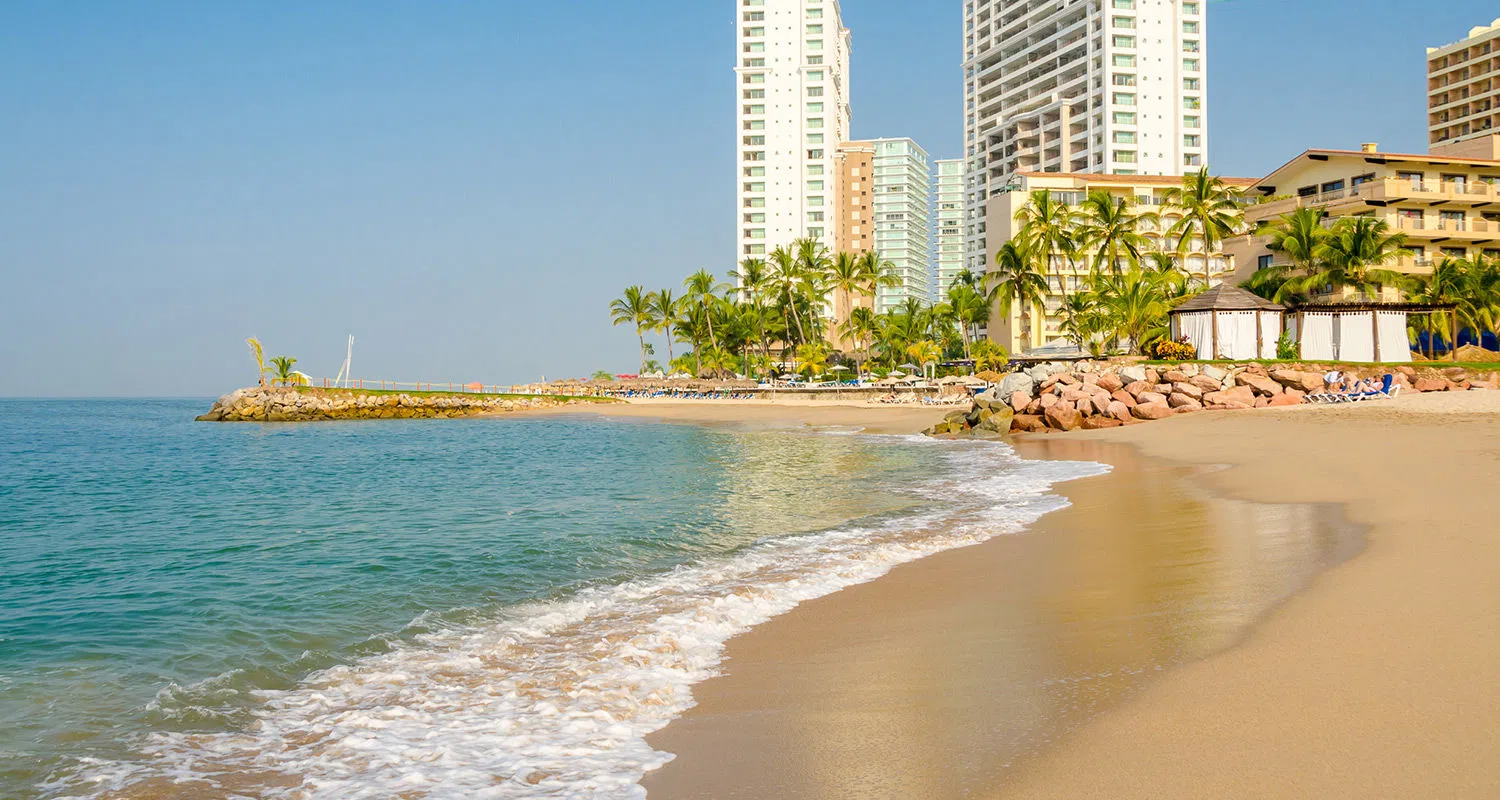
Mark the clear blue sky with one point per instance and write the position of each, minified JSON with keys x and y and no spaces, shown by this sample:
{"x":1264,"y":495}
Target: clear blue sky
{"x":465,"y":185}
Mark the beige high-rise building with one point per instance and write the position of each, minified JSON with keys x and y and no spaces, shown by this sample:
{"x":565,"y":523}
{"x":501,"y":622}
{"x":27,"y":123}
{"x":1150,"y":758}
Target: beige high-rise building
{"x":1463,"y":87}
{"x":855,"y":193}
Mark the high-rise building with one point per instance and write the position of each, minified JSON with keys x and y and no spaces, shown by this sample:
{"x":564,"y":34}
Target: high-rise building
{"x":1088,"y":86}
{"x":902,"y":201}
{"x":949,"y":222}
{"x":1462,"y":79}
{"x":855,"y":203}
{"x":792,"y":82}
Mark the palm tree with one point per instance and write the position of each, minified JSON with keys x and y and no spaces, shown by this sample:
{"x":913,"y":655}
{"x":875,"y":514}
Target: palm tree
{"x":846,"y":279}
{"x":1299,"y":235}
{"x":260,"y":359}
{"x":1136,"y":302}
{"x":1017,"y":279}
{"x":1445,"y":286}
{"x":283,"y":372}
{"x":970,"y":309}
{"x":877,"y":271}
{"x":1048,"y":228}
{"x":861,"y":327}
{"x":1353,"y":255}
{"x":634,"y":308}
{"x":665,"y":312}
{"x":1209,"y":209}
{"x":812,"y":358}
{"x":753,"y":278}
{"x":1112,"y":230}
{"x":702,"y":289}
{"x":924,"y":352}
{"x":813,"y":267}
{"x":785,"y":273}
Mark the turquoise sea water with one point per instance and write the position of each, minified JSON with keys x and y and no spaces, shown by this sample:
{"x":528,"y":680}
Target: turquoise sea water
{"x":476,"y":608}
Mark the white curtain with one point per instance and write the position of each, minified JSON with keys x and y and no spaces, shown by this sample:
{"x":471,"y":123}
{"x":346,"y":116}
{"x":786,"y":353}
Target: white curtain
{"x":1270,"y":331}
{"x":1241,"y":342}
{"x":1198,"y":327}
{"x":1355,"y":336}
{"x":1395,"y":348}
{"x":1318,"y":337}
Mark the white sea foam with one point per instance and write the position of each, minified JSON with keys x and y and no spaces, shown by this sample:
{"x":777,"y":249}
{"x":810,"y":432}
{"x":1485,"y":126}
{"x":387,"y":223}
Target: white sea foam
{"x":556,"y":699}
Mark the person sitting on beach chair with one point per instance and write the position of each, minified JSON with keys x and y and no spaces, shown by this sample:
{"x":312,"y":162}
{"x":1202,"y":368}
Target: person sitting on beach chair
{"x":1333,"y":381}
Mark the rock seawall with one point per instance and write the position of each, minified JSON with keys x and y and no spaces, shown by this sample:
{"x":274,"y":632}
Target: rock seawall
{"x":1089,"y":395}
{"x":314,"y":405}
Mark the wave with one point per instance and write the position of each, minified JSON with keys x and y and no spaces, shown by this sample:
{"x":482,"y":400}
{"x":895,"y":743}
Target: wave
{"x":555,"y":699}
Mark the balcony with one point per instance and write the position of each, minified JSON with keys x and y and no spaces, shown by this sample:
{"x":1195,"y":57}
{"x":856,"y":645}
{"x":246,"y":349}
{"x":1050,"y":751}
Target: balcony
{"x":1380,"y":193}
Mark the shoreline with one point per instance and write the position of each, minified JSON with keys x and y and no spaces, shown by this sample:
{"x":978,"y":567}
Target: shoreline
{"x":1320,"y":694}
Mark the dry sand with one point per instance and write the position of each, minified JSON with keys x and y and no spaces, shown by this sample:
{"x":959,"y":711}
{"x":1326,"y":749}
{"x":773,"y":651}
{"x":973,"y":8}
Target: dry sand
{"x":1379,"y":679}
{"x":779,"y":413}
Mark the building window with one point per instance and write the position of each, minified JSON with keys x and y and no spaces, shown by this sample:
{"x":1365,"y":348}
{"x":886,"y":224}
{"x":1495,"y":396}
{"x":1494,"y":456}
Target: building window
{"x":1125,"y":5}
{"x":755,"y":172}
{"x":1361,"y":180}
{"x":1191,"y":103}
{"x":1190,"y":26}
{"x":1124,"y":117}
{"x":816,"y":233}
{"x":815,"y":13}
{"x":1191,"y":123}
{"x":1124,"y":42}
{"x":755,"y":124}
{"x":814,"y":44}
{"x":814,"y":108}
{"x":1191,"y":84}
{"x":1125,"y":156}
{"x":1192,"y":140}
{"x":755,"y":187}
{"x":1124,"y":80}
{"x":815,"y":186}
{"x":1192,"y":160}
{"x":815,"y":155}
{"x":815,"y":202}
{"x":1190,"y":65}
{"x":755,"y":31}
{"x":814,"y":91}
{"x":815,"y":138}
{"x":1333,"y":186}
{"x":814,"y":60}
{"x":1124,"y":137}
{"x":815,"y":75}
{"x":1124,"y":99}
{"x":1127,"y":61}
{"x":1190,"y":46}
{"x":1123,"y":22}
{"x":1190,"y":8}
{"x":815,"y":30}
{"x":1264,"y":262}
{"x":816,"y":169}
{"x":815,"y":123}
{"x":814,"y":216}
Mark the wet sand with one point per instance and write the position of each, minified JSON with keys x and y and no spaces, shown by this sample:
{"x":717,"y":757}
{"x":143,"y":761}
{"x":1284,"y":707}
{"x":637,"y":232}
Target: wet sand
{"x":780,"y":413}
{"x":1175,"y":633}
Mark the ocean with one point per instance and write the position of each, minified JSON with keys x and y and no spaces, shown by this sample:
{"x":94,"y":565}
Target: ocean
{"x":487,"y":608}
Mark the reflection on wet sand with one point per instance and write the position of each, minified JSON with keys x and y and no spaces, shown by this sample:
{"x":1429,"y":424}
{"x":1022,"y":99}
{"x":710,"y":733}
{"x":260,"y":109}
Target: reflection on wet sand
{"x":938,"y":679}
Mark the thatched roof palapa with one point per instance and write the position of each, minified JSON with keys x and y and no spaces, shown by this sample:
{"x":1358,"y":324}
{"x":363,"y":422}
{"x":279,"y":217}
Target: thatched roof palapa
{"x":1226,"y":298}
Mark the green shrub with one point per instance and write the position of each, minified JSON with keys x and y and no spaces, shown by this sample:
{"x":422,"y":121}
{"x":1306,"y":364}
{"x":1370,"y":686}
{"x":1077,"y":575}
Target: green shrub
{"x":1168,"y":350}
{"x":1286,"y":348}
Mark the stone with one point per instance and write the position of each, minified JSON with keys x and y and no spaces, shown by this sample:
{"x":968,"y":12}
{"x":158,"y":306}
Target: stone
{"x":1119,"y":410}
{"x":1176,"y":376}
{"x":1152,"y":376}
{"x":1456,"y":374}
{"x":1072,"y":394}
{"x":1178,"y":400}
{"x":1188,"y":389}
{"x":1187,"y":409}
{"x":1068,"y":379}
{"x":1027,"y":423}
{"x":1085,"y":407}
{"x":1110,"y":382}
{"x":1132,"y":374}
{"x":1136,"y":387}
{"x":1406,"y":371}
{"x":1100,"y":423}
{"x":1305,"y":381}
{"x":1099,"y":404}
{"x":1016,"y":382}
{"x":1123,"y":397}
{"x":1288,"y":398}
{"x":1206,"y":383}
{"x":1260,"y":383}
{"x":1162,"y":388}
{"x":1038,"y":372}
{"x":1050,"y":400}
{"x":1063,"y":417}
{"x":1242,"y":395}
{"x":996,"y":422}
{"x":1262,"y":402}
{"x":1019,"y":401}
{"x":1151,"y":411}
{"x":1145,"y":398}
{"x":1429,"y":385}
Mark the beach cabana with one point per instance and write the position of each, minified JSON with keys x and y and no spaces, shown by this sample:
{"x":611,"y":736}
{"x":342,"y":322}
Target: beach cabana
{"x":1357,"y":332}
{"x":1227,"y":322}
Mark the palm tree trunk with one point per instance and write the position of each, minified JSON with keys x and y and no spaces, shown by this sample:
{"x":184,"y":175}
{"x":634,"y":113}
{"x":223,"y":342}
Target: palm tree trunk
{"x":642,"y":337}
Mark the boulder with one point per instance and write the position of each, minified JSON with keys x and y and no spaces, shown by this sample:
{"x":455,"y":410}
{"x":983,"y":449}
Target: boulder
{"x":1305,"y":381}
{"x":1145,"y":398}
{"x":1188,"y":389}
{"x":1456,"y":374}
{"x":1039,"y":372}
{"x":987,"y":399}
{"x":1072,"y":394}
{"x":1207,"y":383}
{"x":1068,"y":379}
{"x":1133,"y":373}
{"x":1016,"y":382}
{"x":1124,"y":398}
{"x":997,"y":422}
{"x":1429,"y":385}
{"x":1119,"y":410}
{"x":1187,"y":409}
{"x":1028,"y":423}
{"x":1176,"y":376}
{"x":1063,"y":417}
{"x":1178,"y":400}
{"x":1019,"y":401}
{"x":1110,"y":382}
{"x":1287,"y":398}
{"x":1100,"y":423}
{"x":1241,"y":395}
{"x":1099,"y":404}
{"x":1135,"y":388}
{"x":1260,"y":383}
{"x":1050,"y":400}
{"x":1151,"y":411}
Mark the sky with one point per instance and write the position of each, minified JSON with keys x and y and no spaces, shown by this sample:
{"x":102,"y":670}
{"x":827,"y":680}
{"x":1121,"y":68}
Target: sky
{"x":463,"y":186}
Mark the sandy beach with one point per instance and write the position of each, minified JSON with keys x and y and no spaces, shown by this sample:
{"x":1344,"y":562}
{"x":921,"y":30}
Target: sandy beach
{"x":1226,"y":634}
{"x":789,"y":412}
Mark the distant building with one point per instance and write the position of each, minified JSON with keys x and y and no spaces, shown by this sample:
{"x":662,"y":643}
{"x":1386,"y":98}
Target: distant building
{"x":792,"y":93}
{"x":1447,"y":202}
{"x":949,"y":222}
{"x":902,"y":199}
{"x":855,"y":203}
{"x":1463,"y":80}
{"x":1112,"y":87}
{"x":1025,"y":331}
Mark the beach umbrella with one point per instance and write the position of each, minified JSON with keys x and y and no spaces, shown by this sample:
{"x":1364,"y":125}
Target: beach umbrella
{"x":789,"y":377}
{"x":910,"y":366}
{"x":838,"y":368}
{"x":897,"y":374}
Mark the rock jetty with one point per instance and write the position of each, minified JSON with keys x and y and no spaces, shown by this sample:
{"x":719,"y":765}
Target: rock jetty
{"x":1057,"y":396}
{"x":312,"y":405}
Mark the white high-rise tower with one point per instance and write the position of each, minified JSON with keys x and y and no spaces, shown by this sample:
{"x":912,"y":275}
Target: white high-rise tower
{"x":792,"y":79}
{"x":1082,"y":86}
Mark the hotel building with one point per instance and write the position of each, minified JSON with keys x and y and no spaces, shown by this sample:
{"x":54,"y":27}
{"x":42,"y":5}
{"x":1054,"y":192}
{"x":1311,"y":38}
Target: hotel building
{"x":903,"y":224}
{"x":792,"y":85}
{"x":1025,"y":330}
{"x":1446,"y":203}
{"x":1463,"y":87}
{"x":1088,"y":86}
{"x":949,"y":221}
{"x":855,"y":203}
